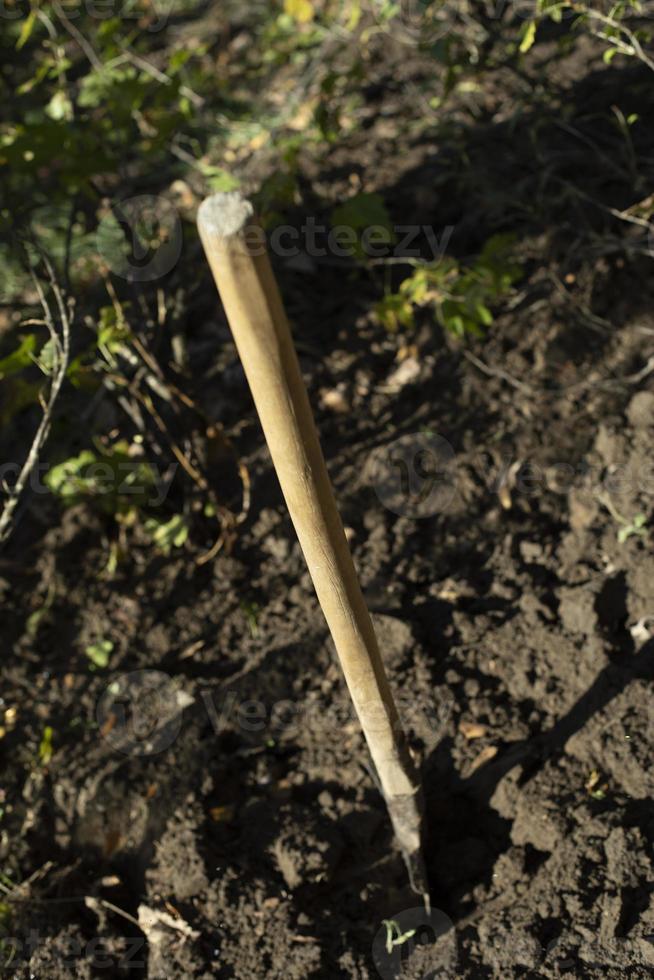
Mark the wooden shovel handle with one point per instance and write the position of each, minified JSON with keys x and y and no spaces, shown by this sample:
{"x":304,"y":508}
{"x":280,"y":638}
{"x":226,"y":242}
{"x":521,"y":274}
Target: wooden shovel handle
{"x":235,"y":247}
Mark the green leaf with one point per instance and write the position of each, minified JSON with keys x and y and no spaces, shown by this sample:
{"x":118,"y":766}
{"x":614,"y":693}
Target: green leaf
{"x":168,"y":535}
{"x":178,"y":59}
{"x":528,"y":37}
{"x":48,"y":357}
{"x":41,"y":72}
{"x":80,"y":373}
{"x":26,"y":30}
{"x":66,"y":479}
{"x":300,"y":10}
{"x":115,"y":480}
{"x":395,"y":311}
{"x":112,"y":335}
{"x":219,"y":179}
{"x":59,"y":107}
{"x":455,"y":324}
{"x":45,"y":746}
{"x":99,"y":653}
{"x":20,"y":358}
{"x":637,"y":528}
{"x":484,"y":314}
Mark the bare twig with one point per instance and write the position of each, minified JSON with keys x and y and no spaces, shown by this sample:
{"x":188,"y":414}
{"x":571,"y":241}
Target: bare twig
{"x":61,"y":350}
{"x":628,"y":43}
{"x":85,"y":45}
{"x":159,"y":76}
{"x":493,"y":372}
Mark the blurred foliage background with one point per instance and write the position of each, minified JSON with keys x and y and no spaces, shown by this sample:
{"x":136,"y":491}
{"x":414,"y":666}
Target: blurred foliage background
{"x":117,"y":118}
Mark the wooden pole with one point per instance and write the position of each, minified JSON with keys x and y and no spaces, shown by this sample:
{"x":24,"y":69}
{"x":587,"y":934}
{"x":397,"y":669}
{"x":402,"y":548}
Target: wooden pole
{"x":235,"y":247}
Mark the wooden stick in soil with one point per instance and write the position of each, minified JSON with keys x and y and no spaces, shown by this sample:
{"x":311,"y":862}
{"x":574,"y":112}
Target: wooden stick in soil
{"x":235,"y":247}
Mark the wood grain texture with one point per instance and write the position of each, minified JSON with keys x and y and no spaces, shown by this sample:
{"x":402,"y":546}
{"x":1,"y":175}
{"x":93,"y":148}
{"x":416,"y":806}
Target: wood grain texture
{"x":235,"y":248}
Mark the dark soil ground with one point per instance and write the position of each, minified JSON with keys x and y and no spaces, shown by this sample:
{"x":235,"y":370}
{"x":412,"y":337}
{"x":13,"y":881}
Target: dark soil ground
{"x":514,"y":620}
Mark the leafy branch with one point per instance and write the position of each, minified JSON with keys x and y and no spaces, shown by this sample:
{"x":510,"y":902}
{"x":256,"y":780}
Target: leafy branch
{"x":461,"y":296}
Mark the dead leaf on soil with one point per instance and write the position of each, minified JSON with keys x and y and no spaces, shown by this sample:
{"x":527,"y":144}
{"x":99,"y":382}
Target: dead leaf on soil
{"x":109,"y":725}
{"x":334,"y":400}
{"x":406,"y":373}
{"x":595,"y":787}
{"x":641,"y":632}
{"x":449,"y":591}
{"x":191,"y":650}
{"x":110,"y":881}
{"x":287,"y":865}
{"x":304,"y":115}
{"x":407,"y":350}
{"x":472,"y":729}
{"x":113,"y":841}
{"x":184,"y":197}
{"x":155,"y":924}
{"x":222,"y":814}
{"x":507,"y":484}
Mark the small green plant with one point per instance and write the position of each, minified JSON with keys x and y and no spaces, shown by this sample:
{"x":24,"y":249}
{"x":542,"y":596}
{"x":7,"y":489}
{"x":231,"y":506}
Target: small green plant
{"x":395,"y":936}
{"x":251,"y":611}
{"x":167,"y":535}
{"x":114,"y":478}
{"x":620,"y":25}
{"x":636,"y":528}
{"x":99,"y":653}
{"x":461,"y":296}
{"x":6,"y":912}
{"x":45,"y":746}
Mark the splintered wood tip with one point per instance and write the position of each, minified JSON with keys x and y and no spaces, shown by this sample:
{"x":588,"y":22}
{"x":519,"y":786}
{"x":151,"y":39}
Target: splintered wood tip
{"x":224,"y":215}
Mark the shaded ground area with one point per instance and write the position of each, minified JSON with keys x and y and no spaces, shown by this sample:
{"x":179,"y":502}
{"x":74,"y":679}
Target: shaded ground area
{"x":515,"y":621}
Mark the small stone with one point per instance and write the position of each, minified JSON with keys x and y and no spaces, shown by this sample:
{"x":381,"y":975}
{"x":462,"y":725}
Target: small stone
{"x":334,"y":400}
{"x":326,"y":800}
{"x":640,"y":410}
{"x":472,"y":729}
{"x":531,"y":551}
{"x":577,"y":610}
